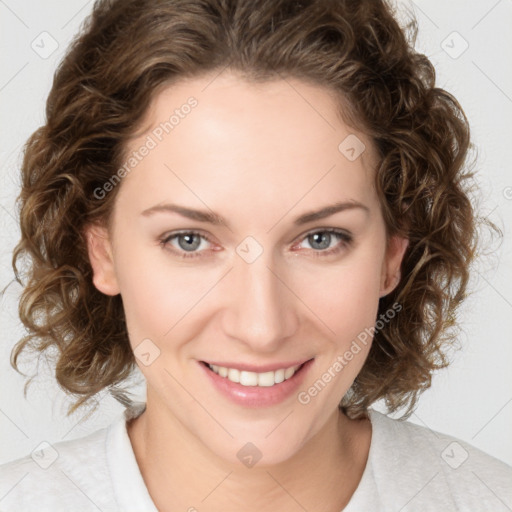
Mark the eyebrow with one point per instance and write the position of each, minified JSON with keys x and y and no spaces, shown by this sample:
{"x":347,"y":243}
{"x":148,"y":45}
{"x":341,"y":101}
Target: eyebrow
{"x":217,"y":220}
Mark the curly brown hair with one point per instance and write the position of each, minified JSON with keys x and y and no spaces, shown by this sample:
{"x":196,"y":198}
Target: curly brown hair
{"x":127,"y":51}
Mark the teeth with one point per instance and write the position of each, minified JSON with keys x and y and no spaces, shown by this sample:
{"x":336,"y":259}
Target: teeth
{"x":265,"y":379}
{"x":248,"y":378}
{"x":288,"y":373}
{"x":279,"y":376}
{"x":233,"y":375}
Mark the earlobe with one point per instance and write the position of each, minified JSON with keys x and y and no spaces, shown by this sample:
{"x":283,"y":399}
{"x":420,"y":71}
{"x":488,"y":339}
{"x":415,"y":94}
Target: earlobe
{"x":391,"y":268}
{"x":99,"y":249}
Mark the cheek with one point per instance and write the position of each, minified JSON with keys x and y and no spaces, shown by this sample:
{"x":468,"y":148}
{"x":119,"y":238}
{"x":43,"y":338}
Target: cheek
{"x":346,"y":301}
{"x":156,"y":295}
{"x":345,"y":297}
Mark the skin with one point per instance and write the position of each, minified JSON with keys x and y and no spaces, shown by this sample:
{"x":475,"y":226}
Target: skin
{"x":259,"y":155}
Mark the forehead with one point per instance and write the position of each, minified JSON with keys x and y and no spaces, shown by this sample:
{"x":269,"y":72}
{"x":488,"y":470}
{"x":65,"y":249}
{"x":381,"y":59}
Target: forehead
{"x":226,"y":137}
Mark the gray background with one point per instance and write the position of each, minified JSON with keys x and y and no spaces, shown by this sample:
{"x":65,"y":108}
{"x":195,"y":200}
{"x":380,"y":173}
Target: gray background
{"x":472,"y":399}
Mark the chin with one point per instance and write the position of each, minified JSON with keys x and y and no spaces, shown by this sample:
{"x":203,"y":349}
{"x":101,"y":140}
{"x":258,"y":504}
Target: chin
{"x":265,"y":442}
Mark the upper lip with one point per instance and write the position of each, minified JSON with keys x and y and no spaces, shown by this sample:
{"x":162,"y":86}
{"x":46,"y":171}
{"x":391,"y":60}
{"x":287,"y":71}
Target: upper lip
{"x":271,"y":367}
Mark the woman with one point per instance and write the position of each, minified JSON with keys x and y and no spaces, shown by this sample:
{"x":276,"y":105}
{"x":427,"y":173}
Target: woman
{"x":264,"y":205}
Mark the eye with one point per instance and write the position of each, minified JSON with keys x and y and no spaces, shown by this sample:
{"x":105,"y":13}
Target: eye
{"x":188,"y":242}
{"x":320,"y":240}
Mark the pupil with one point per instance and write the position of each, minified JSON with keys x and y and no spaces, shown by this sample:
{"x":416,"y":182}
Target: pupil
{"x":324,"y":237}
{"x":189,"y":241}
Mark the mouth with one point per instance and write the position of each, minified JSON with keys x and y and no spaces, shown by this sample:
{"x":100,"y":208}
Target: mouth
{"x":256,"y":388}
{"x":249,"y":378}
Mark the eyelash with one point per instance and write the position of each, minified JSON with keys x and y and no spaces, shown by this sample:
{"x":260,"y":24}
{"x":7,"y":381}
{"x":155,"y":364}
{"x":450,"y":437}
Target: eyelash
{"x":346,"y":240}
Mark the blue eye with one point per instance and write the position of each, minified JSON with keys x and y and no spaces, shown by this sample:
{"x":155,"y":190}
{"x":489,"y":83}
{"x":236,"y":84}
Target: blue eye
{"x":188,"y":242}
{"x":322,"y":240}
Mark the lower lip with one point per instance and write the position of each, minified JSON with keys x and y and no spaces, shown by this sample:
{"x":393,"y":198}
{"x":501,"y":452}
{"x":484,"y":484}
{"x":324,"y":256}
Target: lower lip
{"x":258,"y":396}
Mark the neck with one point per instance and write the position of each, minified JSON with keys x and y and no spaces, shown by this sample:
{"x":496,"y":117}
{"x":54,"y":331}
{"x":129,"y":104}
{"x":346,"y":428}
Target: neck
{"x":181,"y":473}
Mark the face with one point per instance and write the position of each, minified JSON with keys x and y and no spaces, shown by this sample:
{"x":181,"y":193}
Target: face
{"x":220,"y":260}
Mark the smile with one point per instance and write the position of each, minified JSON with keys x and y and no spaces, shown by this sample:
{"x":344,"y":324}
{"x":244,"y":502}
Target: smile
{"x":246,"y":378}
{"x":242,"y":385}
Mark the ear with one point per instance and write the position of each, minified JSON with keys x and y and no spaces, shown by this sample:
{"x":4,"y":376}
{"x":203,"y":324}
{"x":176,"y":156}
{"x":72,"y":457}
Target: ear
{"x":390,"y":276}
{"x":99,"y":248}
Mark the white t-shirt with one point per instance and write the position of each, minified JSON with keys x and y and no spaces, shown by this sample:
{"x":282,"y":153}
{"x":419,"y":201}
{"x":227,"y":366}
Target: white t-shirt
{"x":409,"y":468}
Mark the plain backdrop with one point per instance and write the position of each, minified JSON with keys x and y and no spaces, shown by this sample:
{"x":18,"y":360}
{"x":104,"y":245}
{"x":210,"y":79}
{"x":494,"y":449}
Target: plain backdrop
{"x":470,"y":44}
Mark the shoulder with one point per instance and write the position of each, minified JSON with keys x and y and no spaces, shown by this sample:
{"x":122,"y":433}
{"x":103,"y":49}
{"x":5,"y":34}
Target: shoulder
{"x":69,"y":475}
{"x":424,"y":466}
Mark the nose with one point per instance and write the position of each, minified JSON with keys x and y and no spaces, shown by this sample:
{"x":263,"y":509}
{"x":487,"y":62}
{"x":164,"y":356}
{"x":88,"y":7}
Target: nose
{"x":261,"y":309}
